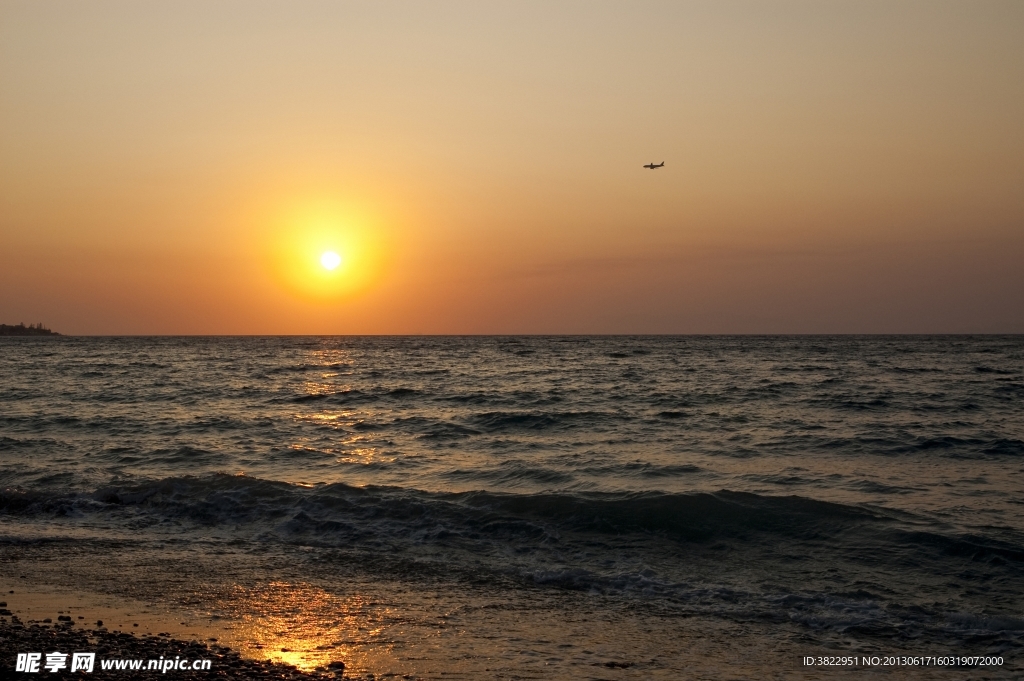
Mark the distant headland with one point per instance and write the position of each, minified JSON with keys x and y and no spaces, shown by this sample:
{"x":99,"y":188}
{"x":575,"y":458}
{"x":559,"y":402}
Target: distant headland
{"x":22,"y":330}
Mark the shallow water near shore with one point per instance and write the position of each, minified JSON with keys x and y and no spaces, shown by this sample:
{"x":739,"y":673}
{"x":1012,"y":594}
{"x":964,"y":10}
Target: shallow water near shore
{"x":531,"y":507}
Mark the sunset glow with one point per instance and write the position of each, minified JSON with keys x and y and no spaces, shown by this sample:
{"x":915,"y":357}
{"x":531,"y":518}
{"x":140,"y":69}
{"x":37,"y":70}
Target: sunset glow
{"x":835,"y":167}
{"x":322,"y":251}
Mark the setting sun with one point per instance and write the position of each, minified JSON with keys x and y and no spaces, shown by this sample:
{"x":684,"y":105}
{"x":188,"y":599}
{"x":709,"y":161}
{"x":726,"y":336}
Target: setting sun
{"x":330,"y":260}
{"x":323,"y":250}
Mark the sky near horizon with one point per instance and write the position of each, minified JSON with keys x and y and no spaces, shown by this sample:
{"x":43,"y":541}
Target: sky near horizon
{"x":830,"y":167}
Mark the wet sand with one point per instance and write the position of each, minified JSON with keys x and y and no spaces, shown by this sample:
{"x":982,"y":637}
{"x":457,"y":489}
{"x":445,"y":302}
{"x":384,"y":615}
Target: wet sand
{"x":77,"y":629}
{"x":45,"y":620}
{"x":25,"y":637}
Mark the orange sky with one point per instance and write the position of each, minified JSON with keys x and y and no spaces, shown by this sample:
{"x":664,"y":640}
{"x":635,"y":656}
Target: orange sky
{"x":177,"y":167}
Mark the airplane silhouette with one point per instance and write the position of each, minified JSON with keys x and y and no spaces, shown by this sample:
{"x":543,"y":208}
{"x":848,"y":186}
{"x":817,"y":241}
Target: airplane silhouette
{"x":652,"y":166}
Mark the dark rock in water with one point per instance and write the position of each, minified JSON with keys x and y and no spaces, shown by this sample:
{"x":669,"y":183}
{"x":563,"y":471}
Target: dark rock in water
{"x":63,"y":618}
{"x":337,"y":664}
{"x":99,"y":623}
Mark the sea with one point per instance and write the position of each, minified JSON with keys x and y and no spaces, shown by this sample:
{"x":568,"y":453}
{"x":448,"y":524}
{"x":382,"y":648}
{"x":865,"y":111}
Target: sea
{"x":536,"y":507}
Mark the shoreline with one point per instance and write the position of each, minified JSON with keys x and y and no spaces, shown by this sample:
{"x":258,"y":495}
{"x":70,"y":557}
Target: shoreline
{"x":65,"y":636}
{"x":52,"y":627}
{"x":38,"y":620}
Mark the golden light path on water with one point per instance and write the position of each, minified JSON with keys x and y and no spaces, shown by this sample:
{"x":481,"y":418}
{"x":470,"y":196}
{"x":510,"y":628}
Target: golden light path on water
{"x":308,"y":627}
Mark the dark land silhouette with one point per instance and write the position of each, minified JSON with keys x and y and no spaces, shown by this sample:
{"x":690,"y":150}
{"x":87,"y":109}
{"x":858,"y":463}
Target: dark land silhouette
{"x":22,"y":330}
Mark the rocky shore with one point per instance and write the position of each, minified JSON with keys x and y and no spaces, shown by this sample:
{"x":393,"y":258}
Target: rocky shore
{"x":67,"y":635}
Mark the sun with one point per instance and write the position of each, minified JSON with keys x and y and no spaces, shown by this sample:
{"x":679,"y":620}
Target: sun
{"x":324,"y":251}
{"x":330,"y":260}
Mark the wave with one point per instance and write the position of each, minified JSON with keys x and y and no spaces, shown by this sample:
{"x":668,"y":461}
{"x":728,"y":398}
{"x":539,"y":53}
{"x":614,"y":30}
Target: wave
{"x":222,"y":499}
{"x":338,"y":397}
{"x":305,"y":367}
{"x":733,"y":554}
{"x":499,"y":421}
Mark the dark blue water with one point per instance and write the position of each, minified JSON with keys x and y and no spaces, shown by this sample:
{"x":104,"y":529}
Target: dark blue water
{"x":839,"y":491}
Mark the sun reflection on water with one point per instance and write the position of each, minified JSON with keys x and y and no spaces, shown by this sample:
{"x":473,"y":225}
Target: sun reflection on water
{"x":308,"y":627}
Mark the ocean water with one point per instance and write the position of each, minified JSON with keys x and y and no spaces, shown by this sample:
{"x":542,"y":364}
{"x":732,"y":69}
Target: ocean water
{"x":534,"y":507}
